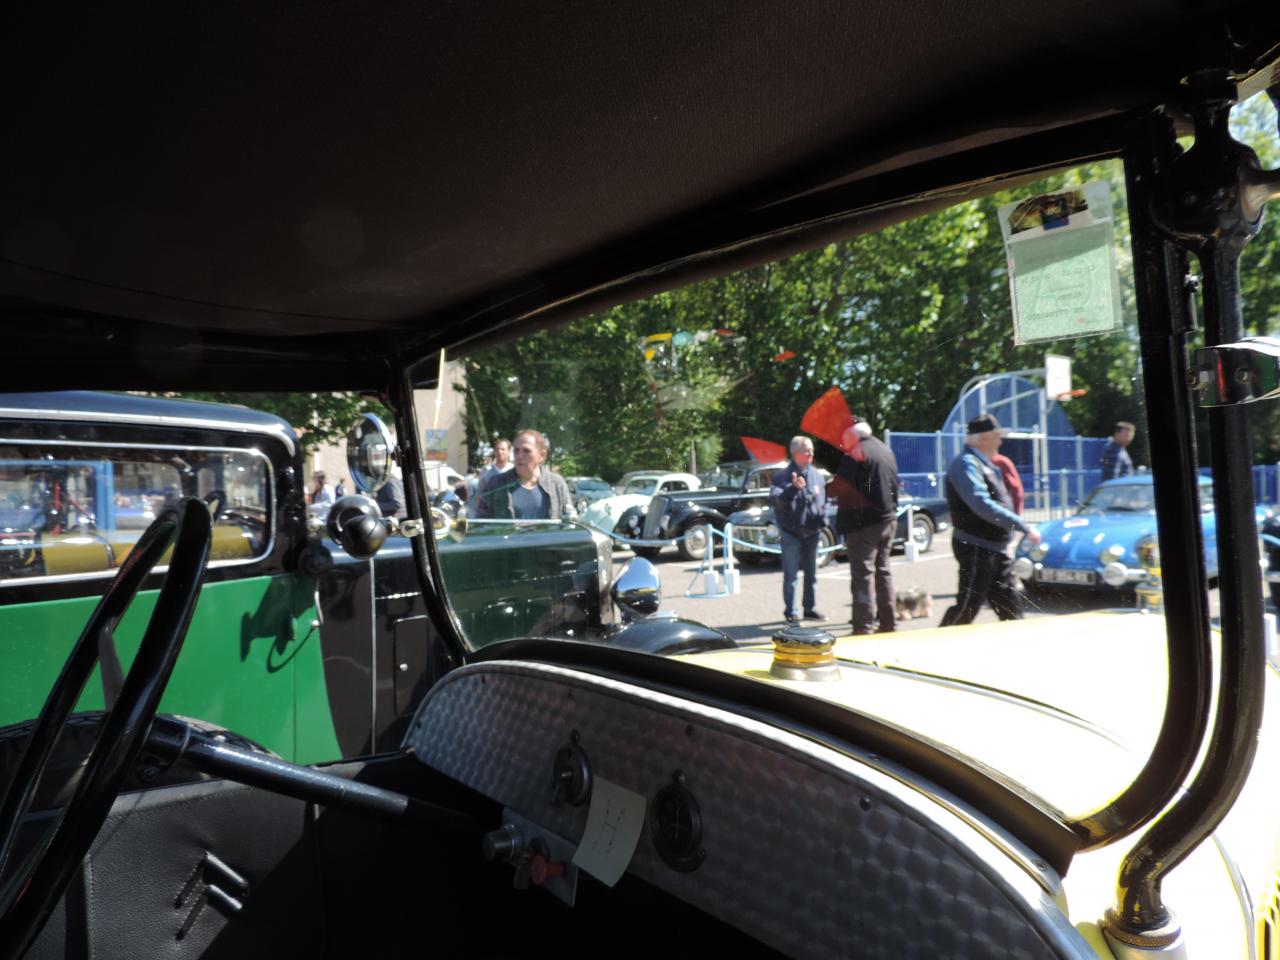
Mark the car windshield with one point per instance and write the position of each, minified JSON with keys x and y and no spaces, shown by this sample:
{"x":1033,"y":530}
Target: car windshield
{"x":591,"y":485}
{"x":725,"y":477}
{"x":641,"y":486}
{"x":1121,"y":498}
{"x":951,"y":337}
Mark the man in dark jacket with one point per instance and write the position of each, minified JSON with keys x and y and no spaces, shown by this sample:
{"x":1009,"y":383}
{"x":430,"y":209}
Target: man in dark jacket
{"x":868,"y":515}
{"x":1116,"y":462}
{"x":984,"y":520}
{"x":799,"y":499}
{"x":530,"y":491}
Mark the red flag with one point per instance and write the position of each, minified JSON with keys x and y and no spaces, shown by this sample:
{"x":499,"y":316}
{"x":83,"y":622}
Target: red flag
{"x":829,"y":419}
{"x":764,"y":451}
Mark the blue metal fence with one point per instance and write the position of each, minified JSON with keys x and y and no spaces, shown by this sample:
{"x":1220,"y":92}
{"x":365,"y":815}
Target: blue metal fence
{"x":1074,"y":468}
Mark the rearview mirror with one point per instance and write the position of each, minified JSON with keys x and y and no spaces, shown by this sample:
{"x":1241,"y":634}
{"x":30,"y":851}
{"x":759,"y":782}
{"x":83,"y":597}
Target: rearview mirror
{"x":369,"y":453}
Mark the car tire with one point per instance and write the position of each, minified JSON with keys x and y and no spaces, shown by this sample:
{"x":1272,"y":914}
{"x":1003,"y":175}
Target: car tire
{"x":647,"y":553}
{"x":694,"y":541}
{"x":826,"y":540}
{"x":922,"y":532}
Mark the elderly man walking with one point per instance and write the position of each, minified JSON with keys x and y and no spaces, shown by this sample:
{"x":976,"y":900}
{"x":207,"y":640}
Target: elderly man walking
{"x":983,"y":519}
{"x":799,"y":499}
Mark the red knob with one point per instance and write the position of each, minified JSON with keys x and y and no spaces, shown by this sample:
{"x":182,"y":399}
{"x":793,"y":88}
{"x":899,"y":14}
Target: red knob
{"x":540,"y":869}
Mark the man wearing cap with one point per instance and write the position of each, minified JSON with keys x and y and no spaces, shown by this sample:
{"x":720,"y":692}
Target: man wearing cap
{"x":984,"y":520}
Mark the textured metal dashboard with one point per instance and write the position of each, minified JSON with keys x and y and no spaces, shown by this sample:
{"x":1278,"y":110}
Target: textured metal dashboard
{"x":812,"y":851}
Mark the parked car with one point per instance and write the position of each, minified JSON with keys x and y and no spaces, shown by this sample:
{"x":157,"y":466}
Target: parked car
{"x":1100,"y":548}
{"x":332,"y":650}
{"x":689,"y":517}
{"x":755,"y":526}
{"x":587,"y":490}
{"x":616,"y":514}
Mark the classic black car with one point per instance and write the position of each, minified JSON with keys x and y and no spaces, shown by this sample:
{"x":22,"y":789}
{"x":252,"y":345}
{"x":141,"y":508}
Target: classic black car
{"x":687,"y":518}
{"x":922,"y":516}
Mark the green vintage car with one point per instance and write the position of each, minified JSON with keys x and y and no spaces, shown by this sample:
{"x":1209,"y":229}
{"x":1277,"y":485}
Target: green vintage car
{"x":327,"y":652}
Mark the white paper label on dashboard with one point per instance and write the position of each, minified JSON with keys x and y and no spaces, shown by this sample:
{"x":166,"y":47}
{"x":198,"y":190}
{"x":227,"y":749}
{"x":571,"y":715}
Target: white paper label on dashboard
{"x":614,"y":822}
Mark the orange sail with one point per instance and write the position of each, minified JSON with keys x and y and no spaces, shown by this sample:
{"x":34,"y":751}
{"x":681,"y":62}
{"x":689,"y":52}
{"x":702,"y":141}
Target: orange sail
{"x":830,"y":420}
{"x":764,"y":451}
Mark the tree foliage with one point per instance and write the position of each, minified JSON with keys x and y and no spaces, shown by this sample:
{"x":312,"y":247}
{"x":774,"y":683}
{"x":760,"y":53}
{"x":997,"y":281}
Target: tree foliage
{"x":318,"y":418}
{"x":899,"y":319}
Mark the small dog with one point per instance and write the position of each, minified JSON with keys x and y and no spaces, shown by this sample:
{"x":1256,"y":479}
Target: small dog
{"x":913,"y":602}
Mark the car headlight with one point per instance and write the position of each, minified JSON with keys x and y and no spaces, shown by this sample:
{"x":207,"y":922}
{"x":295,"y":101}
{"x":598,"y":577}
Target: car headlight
{"x":1039,"y":551}
{"x":1023,"y":568}
{"x":1113,"y":552}
{"x":771,"y":531}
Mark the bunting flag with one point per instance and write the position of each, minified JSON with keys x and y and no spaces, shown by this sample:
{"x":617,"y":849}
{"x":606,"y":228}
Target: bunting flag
{"x":764,"y":451}
{"x":829,"y":419}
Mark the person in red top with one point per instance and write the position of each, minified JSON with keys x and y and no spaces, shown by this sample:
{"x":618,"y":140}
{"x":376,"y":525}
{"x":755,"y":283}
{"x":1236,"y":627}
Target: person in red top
{"x":1012,"y":482}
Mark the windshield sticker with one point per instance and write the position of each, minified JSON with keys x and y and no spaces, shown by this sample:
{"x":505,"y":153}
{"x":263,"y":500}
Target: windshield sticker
{"x":1064,"y":280}
{"x":614,"y":821}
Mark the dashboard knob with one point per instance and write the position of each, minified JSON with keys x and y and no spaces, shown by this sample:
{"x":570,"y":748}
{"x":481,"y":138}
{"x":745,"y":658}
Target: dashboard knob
{"x":502,"y":844}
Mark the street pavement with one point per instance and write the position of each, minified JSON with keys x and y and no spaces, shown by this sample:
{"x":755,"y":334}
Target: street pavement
{"x":756,"y":612}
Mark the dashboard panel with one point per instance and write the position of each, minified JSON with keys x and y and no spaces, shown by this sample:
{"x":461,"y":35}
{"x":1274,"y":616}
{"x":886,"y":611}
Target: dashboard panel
{"x":813,"y":851}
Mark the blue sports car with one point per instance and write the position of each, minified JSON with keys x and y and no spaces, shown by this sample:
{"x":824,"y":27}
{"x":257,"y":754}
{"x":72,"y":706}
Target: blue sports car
{"x":1102,"y":546}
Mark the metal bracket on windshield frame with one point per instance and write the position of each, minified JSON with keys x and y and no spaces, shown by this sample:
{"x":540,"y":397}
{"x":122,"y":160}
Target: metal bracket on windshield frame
{"x":1209,"y":202}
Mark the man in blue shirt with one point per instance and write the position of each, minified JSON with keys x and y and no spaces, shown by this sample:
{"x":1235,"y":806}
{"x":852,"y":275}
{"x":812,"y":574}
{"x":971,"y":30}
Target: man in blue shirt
{"x":983,"y":519}
{"x":799,"y":498}
{"x":1115,"y":458}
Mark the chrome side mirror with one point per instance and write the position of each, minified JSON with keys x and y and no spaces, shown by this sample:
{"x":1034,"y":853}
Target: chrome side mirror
{"x":370,"y":451}
{"x":638,"y":590}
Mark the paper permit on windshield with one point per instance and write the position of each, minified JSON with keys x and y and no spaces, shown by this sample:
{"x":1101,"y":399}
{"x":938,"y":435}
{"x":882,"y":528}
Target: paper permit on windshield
{"x":614,"y":822}
{"x":1064,"y":277}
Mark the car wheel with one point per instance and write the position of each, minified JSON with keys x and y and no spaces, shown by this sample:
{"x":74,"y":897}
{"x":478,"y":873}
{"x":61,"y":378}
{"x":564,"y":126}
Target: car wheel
{"x":695,"y":542}
{"x":648,"y":553}
{"x":922,"y":532}
{"x":826,"y":540}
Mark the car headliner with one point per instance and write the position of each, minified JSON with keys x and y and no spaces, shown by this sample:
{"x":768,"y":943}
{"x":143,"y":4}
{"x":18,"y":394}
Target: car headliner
{"x":201,"y":196}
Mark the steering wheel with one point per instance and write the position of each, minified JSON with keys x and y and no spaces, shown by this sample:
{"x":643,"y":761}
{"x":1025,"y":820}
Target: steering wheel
{"x":32,"y":888}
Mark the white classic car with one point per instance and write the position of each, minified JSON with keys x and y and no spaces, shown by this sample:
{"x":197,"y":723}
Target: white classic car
{"x":635,"y":490}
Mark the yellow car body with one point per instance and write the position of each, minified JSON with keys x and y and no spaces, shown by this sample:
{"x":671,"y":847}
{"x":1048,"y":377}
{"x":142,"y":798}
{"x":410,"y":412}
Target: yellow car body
{"x":1070,"y":708}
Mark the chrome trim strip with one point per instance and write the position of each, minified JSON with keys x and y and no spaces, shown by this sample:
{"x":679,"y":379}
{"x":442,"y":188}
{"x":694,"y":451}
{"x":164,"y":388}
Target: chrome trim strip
{"x":85,"y":416}
{"x":1242,"y":894}
{"x":213,"y":564}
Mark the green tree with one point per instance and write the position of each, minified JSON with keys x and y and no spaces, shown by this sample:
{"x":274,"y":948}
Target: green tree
{"x":318,"y":418}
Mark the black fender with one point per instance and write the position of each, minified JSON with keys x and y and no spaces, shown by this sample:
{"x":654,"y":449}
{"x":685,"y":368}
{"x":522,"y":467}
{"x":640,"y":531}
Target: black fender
{"x":684,"y":519}
{"x":623,"y":527}
{"x":667,"y":635}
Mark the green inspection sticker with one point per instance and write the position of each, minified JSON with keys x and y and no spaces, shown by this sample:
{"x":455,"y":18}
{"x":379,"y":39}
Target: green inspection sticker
{"x":1063,"y":274}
